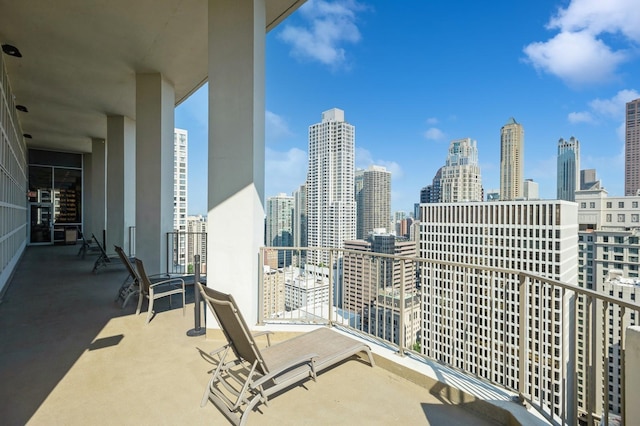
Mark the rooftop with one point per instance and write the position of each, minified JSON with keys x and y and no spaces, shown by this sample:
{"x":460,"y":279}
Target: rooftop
{"x":71,"y":354}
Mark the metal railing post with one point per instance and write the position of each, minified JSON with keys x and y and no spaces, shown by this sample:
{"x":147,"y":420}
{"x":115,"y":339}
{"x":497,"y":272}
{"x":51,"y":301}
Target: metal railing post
{"x":401,"y":330}
{"x":196,"y":330}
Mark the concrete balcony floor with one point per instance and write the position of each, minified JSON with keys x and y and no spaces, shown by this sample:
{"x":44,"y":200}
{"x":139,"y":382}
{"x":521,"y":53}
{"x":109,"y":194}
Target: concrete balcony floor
{"x":69,"y":355}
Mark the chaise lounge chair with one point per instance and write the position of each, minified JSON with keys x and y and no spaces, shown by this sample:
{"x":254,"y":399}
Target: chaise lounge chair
{"x":157,"y":290}
{"x":238,"y":385}
{"x":131,"y":285}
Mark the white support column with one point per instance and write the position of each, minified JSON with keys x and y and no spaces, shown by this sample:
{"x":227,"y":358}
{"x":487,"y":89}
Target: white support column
{"x":98,"y":188}
{"x":121,"y":185}
{"x":155,"y":100}
{"x":87,"y":198}
{"x":236,"y":149}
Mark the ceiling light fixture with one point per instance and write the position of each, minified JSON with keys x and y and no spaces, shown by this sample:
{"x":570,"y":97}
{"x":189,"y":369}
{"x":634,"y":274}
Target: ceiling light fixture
{"x":22,"y":108}
{"x":11,"y":50}
{"x":27,"y":136}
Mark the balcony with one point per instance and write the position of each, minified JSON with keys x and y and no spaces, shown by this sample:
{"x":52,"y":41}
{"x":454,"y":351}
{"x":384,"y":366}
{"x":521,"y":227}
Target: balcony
{"x":71,"y":354}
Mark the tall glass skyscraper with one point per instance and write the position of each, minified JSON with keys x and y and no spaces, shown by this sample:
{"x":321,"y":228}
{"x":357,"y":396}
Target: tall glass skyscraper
{"x":568,"y":169}
{"x":331,"y":206}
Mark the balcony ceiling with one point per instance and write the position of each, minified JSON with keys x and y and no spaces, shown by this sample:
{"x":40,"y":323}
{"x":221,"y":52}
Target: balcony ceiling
{"x":79,"y":59}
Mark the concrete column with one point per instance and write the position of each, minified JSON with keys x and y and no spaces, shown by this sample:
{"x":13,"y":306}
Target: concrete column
{"x":236,"y":149}
{"x":632,"y":374}
{"x":87,"y":199}
{"x":121,"y":185}
{"x":155,"y":102}
{"x":98,"y":188}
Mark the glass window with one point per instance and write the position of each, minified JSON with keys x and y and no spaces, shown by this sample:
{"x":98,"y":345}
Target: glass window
{"x":67,"y":195}
{"x":592,"y":205}
{"x":608,"y":218}
{"x":608,"y":204}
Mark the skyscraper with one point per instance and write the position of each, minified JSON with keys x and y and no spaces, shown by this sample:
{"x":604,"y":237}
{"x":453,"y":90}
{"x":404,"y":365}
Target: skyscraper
{"x":632,"y":149}
{"x":461,"y":180}
{"x":180,"y":139}
{"x":568,"y":169}
{"x":279,"y":232}
{"x":373,"y":199}
{"x":300,"y":216}
{"x":461,"y":316}
{"x":511,"y":160}
{"x":331,"y":206}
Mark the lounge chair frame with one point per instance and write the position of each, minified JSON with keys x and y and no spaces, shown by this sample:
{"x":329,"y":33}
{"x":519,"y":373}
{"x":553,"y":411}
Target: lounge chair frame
{"x":238,"y":385}
{"x":157,"y":290}
{"x":131,"y":285}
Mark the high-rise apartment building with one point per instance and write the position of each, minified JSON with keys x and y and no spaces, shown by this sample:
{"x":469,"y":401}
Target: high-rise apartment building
{"x":365,"y":276}
{"x":568,"y":176}
{"x":511,"y":160}
{"x":608,"y":241}
{"x":632,"y":149}
{"x":431,"y":193}
{"x":300,"y":216}
{"x":279,"y":226}
{"x":461,"y":179}
{"x":180,"y":141}
{"x":373,"y":199}
{"x":331,"y":206}
{"x":530,"y":190}
{"x":471,"y":316}
{"x":197,"y":240}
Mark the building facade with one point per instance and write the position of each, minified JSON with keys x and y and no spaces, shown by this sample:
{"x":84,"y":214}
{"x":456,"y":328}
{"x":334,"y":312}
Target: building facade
{"x":471,"y":317}
{"x":180,"y":184}
{"x":632,"y":148}
{"x":300,"y":216}
{"x":461,"y":179}
{"x":197,"y":240}
{"x":373,"y":199}
{"x":279,"y":226}
{"x":511,"y":160}
{"x":531,"y":190}
{"x":568,"y":169}
{"x":609,"y":247}
{"x":366,"y":274}
{"x":331,"y":206}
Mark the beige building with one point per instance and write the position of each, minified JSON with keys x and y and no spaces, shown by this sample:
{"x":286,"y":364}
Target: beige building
{"x":511,"y":160}
{"x":366,"y":274}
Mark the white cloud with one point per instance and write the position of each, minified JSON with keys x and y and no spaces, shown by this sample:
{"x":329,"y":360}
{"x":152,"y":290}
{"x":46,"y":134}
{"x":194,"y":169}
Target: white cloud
{"x":606,"y":110}
{"x":580,"y":117}
{"x":614,"y":107}
{"x":578,"y":54}
{"x":284,"y":170}
{"x":328,"y":27}
{"x":431,"y":121}
{"x":364,"y":159}
{"x":577,"y":58}
{"x":598,"y":16}
{"x":435,"y":134}
{"x":275,"y":127}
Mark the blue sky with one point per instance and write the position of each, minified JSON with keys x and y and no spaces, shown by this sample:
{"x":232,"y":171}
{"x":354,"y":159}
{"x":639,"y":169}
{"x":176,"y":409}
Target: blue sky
{"x":413,"y":76}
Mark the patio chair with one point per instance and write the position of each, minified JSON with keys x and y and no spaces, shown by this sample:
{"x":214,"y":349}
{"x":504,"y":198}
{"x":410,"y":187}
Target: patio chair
{"x":157,"y":290}
{"x":86,"y":246}
{"x":238,"y":385}
{"x":103,"y":259}
{"x":131,"y":285}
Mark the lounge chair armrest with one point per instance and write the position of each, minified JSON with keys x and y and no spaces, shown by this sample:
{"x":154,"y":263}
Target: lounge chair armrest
{"x":168,"y":281}
{"x":264,"y":333}
{"x":304,"y":359}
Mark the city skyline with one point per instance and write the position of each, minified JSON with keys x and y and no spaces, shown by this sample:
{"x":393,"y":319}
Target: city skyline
{"x":411,"y":83}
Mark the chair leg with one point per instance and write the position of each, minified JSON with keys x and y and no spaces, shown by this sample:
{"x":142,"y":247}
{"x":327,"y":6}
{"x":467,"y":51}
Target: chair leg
{"x":140,"y":297}
{"x":150,"y":311}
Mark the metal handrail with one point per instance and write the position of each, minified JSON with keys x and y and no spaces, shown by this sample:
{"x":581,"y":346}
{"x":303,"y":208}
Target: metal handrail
{"x":543,"y":325}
